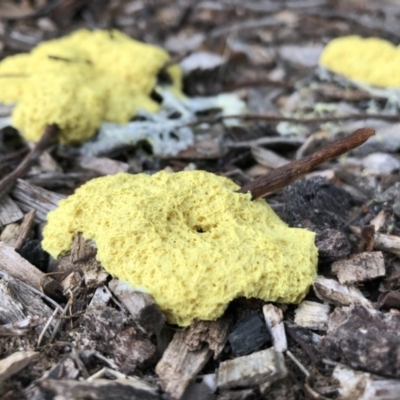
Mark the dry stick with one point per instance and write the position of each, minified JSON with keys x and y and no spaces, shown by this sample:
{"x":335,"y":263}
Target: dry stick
{"x":47,"y":138}
{"x":285,"y":175}
{"x":280,"y":118}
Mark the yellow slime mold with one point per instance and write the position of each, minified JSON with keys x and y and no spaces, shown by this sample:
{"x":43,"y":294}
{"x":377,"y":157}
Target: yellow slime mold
{"x":372,"y":61}
{"x":189,"y":239}
{"x":81,"y":80}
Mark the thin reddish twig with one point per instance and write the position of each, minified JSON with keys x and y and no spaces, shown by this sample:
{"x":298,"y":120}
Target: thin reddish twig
{"x":288,"y":173}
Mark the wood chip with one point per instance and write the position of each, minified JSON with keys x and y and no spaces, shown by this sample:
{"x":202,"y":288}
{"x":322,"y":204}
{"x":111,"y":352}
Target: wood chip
{"x":360,"y":267}
{"x":15,"y":363}
{"x":256,"y":369}
{"x":312,"y":315}
{"x":382,"y":241}
{"x":22,"y":231}
{"x":103,"y":165}
{"x":17,"y":267}
{"x":364,"y":339}
{"x":179,"y":364}
{"x":30,"y":197}
{"x":9,"y":211}
{"x":332,"y":292}
{"x":274,"y":320}
{"x":141,"y":306}
{"x":268,"y":158}
{"x":19,"y":303}
{"x":365,"y":386}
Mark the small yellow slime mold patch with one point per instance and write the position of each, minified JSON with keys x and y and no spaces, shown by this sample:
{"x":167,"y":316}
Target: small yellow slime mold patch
{"x":81,"y":80}
{"x":373,"y":61}
{"x":188,"y":239}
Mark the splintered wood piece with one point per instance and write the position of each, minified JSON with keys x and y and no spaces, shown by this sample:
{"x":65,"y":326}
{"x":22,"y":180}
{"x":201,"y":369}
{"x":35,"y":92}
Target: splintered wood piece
{"x":19,"y":303}
{"x":23,"y":230}
{"x":382,"y":241}
{"x":332,"y":292}
{"x":266,"y":366}
{"x":288,"y":173}
{"x":83,"y":257}
{"x":15,"y":363}
{"x":213,"y":333}
{"x":312,"y":315}
{"x":141,"y":305}
{"x":9,"y":234}
{"x":188,"y":352}
{"x":17,"y":267}
{"x":365,"y":339}
{"x":274,"y":320}
{"x":29,"y":197}
{"x":9,"y":211}
{"x":179,"y":365}
{"x":360,"y":267}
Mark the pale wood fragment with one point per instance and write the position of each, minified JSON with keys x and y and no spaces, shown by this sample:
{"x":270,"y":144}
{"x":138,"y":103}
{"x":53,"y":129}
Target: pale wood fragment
{"x":24,"y":230}
{"x":274,"y":320}
{"x":17,"y":267}
{"x":30,"y":197}
{"x":360,"y":267}
{"x":48,"y":163}
{"x":141,"y":306}
{"x":103,"y":165}
{"x":268,"y":158}
{"x":179,"y":365}
{"x":261,"y":368}
{"x":15,"y":363}
{"x":9,"y":211}
{"x":332,"y":292}
{"x":312,"y":315}
{"x":9,"y":233}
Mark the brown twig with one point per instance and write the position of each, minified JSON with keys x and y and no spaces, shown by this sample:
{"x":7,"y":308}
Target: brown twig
{"x":279,"y":118}
{"x":47,"y":138}
{"x":285,"y":175}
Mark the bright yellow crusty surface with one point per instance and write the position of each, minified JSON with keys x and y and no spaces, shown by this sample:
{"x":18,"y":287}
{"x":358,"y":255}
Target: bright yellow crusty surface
{"x":188,"y":239}
{"x":373,"y":61}
{"x":81,"y":80}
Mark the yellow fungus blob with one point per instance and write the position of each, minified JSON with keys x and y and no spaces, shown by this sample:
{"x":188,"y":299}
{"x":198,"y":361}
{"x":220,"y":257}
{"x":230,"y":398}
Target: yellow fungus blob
{"x":189,"y":239}
{"x":372,"y":61}
{"x":81,"y":80}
